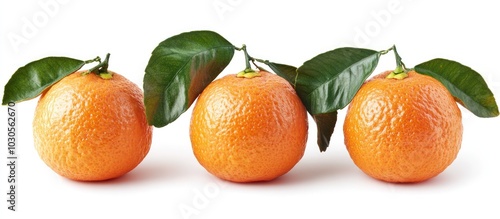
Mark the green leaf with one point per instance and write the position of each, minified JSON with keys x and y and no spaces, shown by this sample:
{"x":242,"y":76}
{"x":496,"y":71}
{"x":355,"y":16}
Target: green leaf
{"x":325,"y":124}
{"x":287,"y":72}
{"x":330,"y":80}
{"x":179,"y":69}
{"x":32,"y":79}
{"x":464,"y":84}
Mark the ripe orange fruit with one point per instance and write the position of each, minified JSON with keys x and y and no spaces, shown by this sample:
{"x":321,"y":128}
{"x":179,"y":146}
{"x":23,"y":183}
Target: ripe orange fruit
{"x":249,"y":129}
{"x":405,"y":130}
{"x":88,"y":128}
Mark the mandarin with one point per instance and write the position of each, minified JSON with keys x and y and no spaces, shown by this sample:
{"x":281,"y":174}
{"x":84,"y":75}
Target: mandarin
{"x":407,"y":130}
{"x":88,"y":128}
{"x":250,"y":128}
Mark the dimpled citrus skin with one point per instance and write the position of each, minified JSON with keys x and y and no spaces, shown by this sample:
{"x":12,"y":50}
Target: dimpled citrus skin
{"x":89,"y":129}
{"x":246,"y":130}
{"x":406,"y":130}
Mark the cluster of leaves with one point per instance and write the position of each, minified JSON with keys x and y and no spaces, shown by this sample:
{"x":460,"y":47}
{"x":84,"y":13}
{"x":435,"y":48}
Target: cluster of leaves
{"x":183,"y":65}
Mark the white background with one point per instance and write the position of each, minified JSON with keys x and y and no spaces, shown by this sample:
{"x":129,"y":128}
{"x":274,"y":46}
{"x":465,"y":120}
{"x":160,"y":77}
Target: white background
{"x":322,"y":185}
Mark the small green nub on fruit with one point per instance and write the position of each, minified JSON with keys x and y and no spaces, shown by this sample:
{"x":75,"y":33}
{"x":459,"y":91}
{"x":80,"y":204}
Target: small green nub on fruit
{"x":106,"y":75}
{"x":250,"y":74}
{"x":399,"y":76}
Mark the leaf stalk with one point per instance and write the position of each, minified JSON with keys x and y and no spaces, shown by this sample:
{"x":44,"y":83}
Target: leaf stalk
{"x":102,"y":67}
